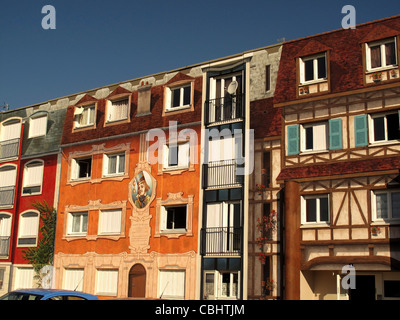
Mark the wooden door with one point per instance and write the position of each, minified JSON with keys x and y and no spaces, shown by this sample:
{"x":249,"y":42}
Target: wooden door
{"x":137,"y":282}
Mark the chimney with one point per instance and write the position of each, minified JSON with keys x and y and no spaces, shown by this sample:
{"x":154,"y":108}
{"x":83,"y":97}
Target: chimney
{"x":144,"y":99}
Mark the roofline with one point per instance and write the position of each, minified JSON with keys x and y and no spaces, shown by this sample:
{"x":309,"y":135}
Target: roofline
{"x":151,"y":75}
{"x":341,"y":29}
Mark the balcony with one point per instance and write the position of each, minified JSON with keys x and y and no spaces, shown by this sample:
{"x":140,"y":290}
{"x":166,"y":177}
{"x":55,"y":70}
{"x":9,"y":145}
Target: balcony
{"x":4,"y":246}
{"x":9,"y":148}
{"x":221,"y":241}
{"x":7,"y":196}
{"x":224,"y":109}
{"x":222,"y":174}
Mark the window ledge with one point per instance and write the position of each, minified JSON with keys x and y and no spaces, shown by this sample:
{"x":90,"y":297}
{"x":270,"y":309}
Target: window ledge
{"x":314,"y":225}
{"x":385,"y":222}
{"x":313,"y":82}
{"x":186,"y":106}
{"x":313,"y":152}
{"x":383,"y":143}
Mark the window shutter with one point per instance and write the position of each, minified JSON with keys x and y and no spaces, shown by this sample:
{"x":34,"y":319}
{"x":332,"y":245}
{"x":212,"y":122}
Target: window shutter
{"x":293,"y":139}
{"x":335,"y":134}
{"x":183,"y":156}
{"x":360,"y":128}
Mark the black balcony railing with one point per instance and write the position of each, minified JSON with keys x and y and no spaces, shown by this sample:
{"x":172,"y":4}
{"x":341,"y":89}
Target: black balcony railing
{"x":7,"y":196}
{"x":222,"y":174}
{"x":224,"y":109}
{"x":4,"y":246}
{"x":9,"y":148}
{"x":221,"y":241}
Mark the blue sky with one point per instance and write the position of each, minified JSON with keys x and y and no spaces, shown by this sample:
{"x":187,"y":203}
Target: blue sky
{"x":97,"y":43}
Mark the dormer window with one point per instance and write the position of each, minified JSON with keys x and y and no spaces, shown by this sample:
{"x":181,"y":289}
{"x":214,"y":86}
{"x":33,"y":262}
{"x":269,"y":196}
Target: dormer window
{"x":381,"y":54}
{"x":178,"y":97}
{"x":118,"y":109}
{"x":313,"y":68}
{"x":38,"y":125}
{"x":85,"y":116}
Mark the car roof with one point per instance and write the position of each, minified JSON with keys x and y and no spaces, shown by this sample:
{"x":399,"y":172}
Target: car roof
{"x":55,"y":292}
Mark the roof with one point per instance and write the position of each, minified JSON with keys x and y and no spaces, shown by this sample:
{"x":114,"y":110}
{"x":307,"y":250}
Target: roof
{"x":345,"y":56}
{"x":314,"y":172}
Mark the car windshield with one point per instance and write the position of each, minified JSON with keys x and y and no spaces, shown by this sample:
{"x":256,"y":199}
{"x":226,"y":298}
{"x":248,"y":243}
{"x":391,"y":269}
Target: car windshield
{"x":21,"y":296}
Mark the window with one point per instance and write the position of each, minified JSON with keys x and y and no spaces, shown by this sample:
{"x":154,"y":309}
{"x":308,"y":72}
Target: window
{"x":107,"y":282}
{"x":73,"y":279}
{"x":313,"y":68}
{"x":315,"y":209}
{"x":118,"y":109}
{"x":174,"y":218}
{"x":84,"y":116}
{"x":114,"y":164}
{"x":8,"y":175}
{"x":381,"y":54}
{"x":110,"y":222}
{"x":314,"y":137}
{"x":176,"y":156}
{"x":385,"y":205}
{"x":5,"y":232}
{"x":384,"y":127}
{"x":28,"y":229}
{"x":24,"y":278}
{"x":179,"y":97}
{"x":77,"y":223}
{"x":221,"y":284}
{"x":37,"y":125}
{"x":10,"y":133}
{"x":391,"y":288}
{"x":172,"y":284}
{"x":33,"y":178}
{"x":81,"y":168}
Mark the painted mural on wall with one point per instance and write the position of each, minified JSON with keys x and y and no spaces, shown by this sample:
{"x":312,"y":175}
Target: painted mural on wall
{"x":142,"y":189}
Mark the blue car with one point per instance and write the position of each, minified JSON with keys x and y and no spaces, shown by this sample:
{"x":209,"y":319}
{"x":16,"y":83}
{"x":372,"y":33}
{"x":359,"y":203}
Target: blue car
{"x":47,"y":294}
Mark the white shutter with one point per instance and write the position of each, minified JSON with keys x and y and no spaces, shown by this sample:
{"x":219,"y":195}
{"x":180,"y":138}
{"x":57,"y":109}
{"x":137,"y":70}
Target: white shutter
{"x":37,"y":126}
{"x":29,"y":225}
{"x":5,"y":225}
{"x":107,"y":282}
{"x":8,"y":177}
{"x":73,"y":279}
{"x":23,"y":278}
{"x":214,"y":150}
{"x":214,"y":215}
{"x":11,"y":131}
{"x":183,"y":155}
{"x":33,"y":174}
{"x":110,"y":221}
{"x":172,"y":284}
{"x":163,"y":218}
{"x":319,"y":136}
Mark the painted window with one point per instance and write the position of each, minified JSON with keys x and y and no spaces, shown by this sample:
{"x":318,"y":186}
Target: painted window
{"x":37,"y":125}
{"x":315,"y":209}
{"x":33,"y":178}
{"x":385,"y":205}
{"x":28,"y":229}
{"x":78,"y":223}
{"x":381,"y":54}
{"x":114,"y":164}
{"x":172,"y":284}
{"x":107,"y":282}
{"x":173,"y":218}
{"x":313,"y":68}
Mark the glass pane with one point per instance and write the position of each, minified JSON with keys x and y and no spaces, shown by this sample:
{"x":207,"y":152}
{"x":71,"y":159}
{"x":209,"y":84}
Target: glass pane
{"x":176,"y":97}
{"x":84,"y":222}
{"x":235,"y":282}
{"x":180,"y":218}
{"x":309,"y":70}
{"x":209,"y":284}
{"x":309,"y":138}
{"x":381,"y":206}
{"x":376,"y":57}
{"x":321,"y":68}
{"x":379,"y":129}
{"x":311,"y":214}
{"x":112,"y":164}
{"x":393,"y":126}
{"x":186,"y":95}
{"x":91,"y":115}
{"x":173,"y":155}
{"x":75,"y":223}
{"x":323,"y":209}
{"x":396,"y":205}
{"x":121,"y":165}
{"x":225,"y":289}
{"x":390,"y":52}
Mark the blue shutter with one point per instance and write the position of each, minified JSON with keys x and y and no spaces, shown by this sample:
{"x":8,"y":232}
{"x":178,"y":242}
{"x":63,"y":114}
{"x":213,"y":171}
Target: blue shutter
{"x":335,"y":134}
{"x":293,"y":139}
{"x":360,"y":130}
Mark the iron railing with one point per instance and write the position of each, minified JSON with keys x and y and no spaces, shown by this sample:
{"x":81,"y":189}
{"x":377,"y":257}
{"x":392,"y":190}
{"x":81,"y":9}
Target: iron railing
{"x":222,"y":174}
{"x":4,"y":246}
{"x":224,"y":109}
{"x":9,"y":148}
{"x":7,"y":195}
{"x":221,"y":241}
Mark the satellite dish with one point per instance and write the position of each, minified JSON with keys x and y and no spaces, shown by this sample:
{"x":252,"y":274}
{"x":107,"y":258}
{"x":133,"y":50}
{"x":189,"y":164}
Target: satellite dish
{"x":232,"y":87}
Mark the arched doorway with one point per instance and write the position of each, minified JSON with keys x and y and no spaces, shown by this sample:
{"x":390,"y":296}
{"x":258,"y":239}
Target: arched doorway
{"x":137,"y":282}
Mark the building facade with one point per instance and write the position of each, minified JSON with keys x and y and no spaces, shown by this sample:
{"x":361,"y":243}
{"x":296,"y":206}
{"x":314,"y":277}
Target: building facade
{"x":339,"y":95}
{"x":29,"y":163}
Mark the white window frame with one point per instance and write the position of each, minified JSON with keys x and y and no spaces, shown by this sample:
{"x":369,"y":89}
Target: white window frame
{"x":315,"y":65}
{"x":382,"y":44}
{"x":169,"y":97}
{"x":5,"y":224}
{"x":374,"y":216}
{"x":164,"y":218}
{"x":106,"y":162}
{"x":81,"y":231}
{"x":75,"y":168}
{"x":318,"y":221}
{"x":110,"y":222}
{"x":38,"y":183}
{"x":107,"y":282}
{"x":28,"y":227}
{"x":91,"y":115}
{"x":111,"y":117}
{"x":37,"y":125}
{"x":318,"y":140}
{"x":371,"y":127}
{"x":218,"y":277}
{"x":183,"y":156}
